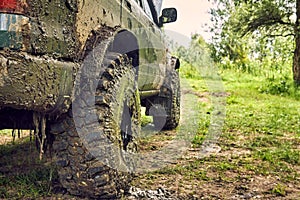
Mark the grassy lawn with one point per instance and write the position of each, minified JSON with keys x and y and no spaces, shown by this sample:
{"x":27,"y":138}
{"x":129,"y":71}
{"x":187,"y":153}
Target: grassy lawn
{"x":260,"y":151}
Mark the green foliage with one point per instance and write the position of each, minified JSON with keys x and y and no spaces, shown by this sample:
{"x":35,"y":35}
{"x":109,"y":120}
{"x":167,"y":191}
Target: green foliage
{"x":145,"y":120}
{"x":254,"y":35}
{"x":270,"y":17}
{"x":197,"y":54}
{"x":5,"y":132}
{"x":280,"y":86}
{"x":189,"y":71}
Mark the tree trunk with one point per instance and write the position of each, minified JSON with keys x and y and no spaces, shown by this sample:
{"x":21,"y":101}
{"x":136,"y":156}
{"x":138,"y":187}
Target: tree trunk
{"x":296,"y":62}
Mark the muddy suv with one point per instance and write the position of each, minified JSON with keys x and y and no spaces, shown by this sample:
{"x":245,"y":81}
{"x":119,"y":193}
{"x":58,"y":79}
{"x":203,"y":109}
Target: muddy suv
{"x":77,"y":72}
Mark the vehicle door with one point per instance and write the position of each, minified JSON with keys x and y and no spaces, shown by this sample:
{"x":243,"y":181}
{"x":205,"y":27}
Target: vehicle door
{"x":139,"y":18}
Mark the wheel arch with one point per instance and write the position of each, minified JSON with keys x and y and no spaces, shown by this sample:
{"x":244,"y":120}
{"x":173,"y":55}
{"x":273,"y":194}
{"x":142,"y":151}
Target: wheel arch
{"x":175,"y":62}
{"x":120,"y":40}
{"x":125,"y":42}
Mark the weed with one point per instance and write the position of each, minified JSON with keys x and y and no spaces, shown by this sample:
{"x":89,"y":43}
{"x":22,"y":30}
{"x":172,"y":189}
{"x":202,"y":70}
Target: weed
{"x":279,"y":190}
{"x":146,"y":120}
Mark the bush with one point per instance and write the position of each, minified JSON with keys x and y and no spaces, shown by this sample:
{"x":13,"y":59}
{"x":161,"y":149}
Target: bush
{"x":189,"y":71}
{"x":277,"y":86}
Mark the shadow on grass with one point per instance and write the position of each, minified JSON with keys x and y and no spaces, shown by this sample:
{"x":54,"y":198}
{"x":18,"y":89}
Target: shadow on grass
{"x":22,"y":174}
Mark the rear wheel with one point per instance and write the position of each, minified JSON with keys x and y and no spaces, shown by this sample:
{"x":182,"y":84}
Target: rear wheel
{"x":111,"y":112}
{"x":166,"y":111}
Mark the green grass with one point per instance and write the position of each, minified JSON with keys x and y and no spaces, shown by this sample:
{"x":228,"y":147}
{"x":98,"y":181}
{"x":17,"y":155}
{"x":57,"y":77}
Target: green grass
{"x":22,"y":174}
{"x":269,"y":120}
{"x":5,"y":132}
{"x":266,"y":124}
{"x":32,"y":184}
{"x":256,"y":112}
{"x":260,"y":137}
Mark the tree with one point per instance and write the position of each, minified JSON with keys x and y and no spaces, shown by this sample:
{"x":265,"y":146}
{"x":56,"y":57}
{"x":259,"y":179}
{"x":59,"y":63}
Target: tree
{"x":296,"y":63}
{"x":196,"y":53}
{"x":265,"y":18}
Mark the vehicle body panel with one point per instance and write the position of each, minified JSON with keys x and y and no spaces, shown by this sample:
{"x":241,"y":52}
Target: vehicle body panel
{"x":42,"y":49}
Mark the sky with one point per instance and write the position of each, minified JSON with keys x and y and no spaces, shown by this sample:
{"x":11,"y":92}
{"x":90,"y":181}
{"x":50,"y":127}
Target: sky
{"x":192,"y":17}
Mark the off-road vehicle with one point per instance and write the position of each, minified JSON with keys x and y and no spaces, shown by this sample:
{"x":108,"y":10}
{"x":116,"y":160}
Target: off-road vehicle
{"x":77,"y":72}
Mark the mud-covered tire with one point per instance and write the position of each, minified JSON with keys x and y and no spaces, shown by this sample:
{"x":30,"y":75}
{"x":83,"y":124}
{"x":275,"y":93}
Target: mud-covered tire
{"x":169,"y":102}
{"x":80,"y":170}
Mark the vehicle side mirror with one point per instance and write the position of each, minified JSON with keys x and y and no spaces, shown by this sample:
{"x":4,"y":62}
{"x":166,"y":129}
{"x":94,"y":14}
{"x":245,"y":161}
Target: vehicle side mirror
{"x":168,"y":15}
